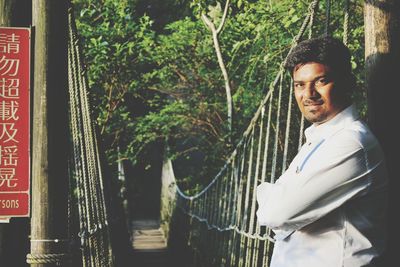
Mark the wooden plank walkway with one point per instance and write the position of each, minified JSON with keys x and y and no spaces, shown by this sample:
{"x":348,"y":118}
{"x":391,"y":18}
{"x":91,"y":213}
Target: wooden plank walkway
{"x":149,"y":244}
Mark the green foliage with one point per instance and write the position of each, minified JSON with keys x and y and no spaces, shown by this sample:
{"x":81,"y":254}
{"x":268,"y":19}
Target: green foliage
{"x":116,"y":47}
{"x":150,"y":85}
{"x":187,"y":75}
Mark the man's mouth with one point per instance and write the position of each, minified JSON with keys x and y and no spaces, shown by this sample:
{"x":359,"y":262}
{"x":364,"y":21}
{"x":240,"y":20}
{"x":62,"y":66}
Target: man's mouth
{"x":312,"y":103}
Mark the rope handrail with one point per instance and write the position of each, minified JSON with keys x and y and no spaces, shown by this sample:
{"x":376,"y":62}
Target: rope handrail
{"x":84,"y":165}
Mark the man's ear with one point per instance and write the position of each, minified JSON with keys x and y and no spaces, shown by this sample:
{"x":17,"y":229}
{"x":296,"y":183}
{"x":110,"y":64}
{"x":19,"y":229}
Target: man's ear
{"x":344,"y":89}
{"x":345,"y":82}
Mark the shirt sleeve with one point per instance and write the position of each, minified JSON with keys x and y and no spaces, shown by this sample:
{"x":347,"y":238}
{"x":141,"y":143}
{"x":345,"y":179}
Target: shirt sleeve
{"x":334,"y":174}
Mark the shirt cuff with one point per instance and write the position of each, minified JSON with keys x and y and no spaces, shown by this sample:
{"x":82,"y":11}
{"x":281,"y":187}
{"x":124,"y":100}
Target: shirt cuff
{"x":263,"y":195}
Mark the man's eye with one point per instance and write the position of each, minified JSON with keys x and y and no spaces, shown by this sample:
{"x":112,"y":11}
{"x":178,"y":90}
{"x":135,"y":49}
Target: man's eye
{"x":322,"y":81}
{"x":298,"y":85}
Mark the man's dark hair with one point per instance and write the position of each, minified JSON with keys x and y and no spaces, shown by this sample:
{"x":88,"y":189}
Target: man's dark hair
{"x":325,"y":50}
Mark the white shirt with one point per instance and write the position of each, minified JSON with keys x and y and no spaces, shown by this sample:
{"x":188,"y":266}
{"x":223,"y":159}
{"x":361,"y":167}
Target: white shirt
{"x":328,"y":208}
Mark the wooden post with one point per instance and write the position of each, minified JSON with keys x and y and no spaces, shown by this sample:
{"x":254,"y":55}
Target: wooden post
{"x":382,"y":62}
{"x":49,"y":222}
{"x":6,"y":7}
{"x":15,"y":13}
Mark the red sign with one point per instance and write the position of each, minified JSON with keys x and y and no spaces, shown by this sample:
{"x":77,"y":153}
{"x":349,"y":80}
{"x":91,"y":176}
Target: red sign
{"x":14,"y":122}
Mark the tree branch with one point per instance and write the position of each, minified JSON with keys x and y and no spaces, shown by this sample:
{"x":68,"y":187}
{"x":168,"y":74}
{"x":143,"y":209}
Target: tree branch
{"x":177,"y":95}
{"x":221,"y":25}
{"x":208,"y":23}
{"x":202,"y":122}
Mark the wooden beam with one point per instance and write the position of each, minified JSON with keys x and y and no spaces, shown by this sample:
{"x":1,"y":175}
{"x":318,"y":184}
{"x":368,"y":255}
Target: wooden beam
{"x":382,"y":63}
{"x":49,"y":220}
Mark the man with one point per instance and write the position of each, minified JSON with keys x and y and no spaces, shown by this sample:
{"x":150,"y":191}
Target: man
{"x":328,"y":208}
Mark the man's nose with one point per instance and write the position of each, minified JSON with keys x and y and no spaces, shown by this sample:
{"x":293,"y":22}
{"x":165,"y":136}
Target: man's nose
{"x":309,"y":90}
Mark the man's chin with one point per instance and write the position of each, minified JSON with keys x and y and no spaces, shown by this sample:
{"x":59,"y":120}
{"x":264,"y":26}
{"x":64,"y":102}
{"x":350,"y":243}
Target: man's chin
{"x":314,"y":118}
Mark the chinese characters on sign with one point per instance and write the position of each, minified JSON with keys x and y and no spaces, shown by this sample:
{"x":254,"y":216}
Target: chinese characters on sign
{"x":14,"y":122}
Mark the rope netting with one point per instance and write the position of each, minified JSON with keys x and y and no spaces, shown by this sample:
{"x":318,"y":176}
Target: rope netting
{"x":85,"y":166}
{"x":224,"y":230}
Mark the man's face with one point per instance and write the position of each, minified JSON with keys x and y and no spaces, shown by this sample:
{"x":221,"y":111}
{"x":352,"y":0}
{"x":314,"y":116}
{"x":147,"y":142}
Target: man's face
{"x":316,"y":94}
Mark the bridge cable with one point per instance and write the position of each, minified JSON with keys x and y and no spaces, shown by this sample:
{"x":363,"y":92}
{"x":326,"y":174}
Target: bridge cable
{"x":85,"y":162}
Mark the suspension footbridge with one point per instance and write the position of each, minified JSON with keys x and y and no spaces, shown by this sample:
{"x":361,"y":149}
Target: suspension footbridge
{"x":216,"y":226}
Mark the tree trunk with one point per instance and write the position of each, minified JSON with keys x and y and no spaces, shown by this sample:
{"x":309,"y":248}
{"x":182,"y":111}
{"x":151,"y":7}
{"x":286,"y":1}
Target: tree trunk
{"x":215,"y":31}
{"x":49,"y":221}
{"x":382,"y":63}
{"x":228,"y":89}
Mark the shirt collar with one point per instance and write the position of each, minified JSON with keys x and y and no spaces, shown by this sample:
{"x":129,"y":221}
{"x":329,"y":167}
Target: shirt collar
{"x":343,"y":118}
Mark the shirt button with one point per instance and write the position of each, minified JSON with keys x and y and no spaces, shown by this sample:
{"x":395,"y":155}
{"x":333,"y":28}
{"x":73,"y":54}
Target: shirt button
{"x":309,"y":143}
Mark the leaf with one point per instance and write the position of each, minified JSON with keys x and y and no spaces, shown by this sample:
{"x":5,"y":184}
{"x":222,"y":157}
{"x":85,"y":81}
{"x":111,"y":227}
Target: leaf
{"x":215,"y":11}
{"x":295,"y":18}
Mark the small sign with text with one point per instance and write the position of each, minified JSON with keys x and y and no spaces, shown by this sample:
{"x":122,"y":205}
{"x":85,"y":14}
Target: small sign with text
{"x":15,"y":60}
